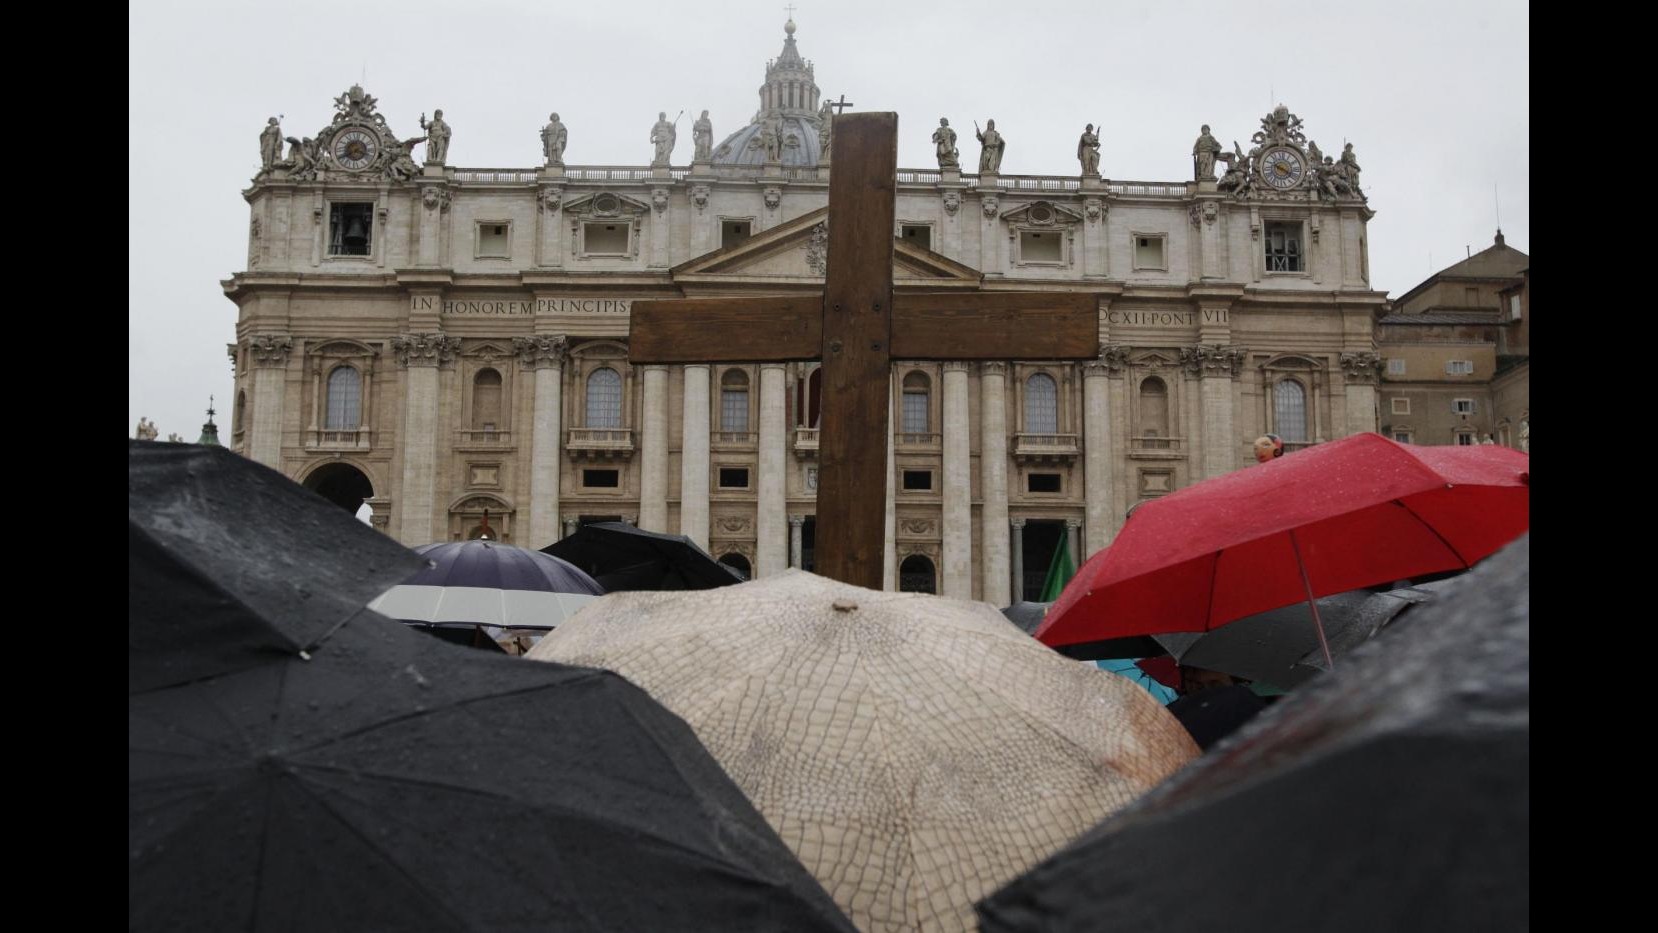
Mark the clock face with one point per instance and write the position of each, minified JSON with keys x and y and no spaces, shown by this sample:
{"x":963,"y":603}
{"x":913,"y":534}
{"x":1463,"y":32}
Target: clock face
{"x":355,"y":149}
{"x":1282,"y":167}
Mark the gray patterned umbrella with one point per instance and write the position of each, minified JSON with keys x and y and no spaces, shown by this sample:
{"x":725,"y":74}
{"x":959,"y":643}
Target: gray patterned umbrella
{"x":915,"y":752}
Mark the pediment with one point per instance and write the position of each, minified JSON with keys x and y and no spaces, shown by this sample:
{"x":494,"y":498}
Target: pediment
{"x":795,"y":251}
{"x":1041,"y":214}
{"x":605,"y":204}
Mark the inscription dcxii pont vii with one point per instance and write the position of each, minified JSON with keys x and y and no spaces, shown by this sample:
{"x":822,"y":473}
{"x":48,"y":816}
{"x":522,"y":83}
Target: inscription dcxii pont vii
{"x":505,"y":307}
{"x":1168,"y":318}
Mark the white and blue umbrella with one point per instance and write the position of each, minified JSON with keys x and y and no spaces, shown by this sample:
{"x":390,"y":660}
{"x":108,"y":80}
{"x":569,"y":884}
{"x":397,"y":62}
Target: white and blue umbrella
{"x":488,"y":583}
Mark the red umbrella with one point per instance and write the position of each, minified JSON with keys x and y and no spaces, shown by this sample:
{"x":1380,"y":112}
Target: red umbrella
{"x":1331,"y":518}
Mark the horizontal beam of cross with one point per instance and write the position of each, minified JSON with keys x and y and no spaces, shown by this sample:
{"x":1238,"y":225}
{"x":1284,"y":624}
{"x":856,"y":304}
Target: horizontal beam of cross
{"x":950,"y":326}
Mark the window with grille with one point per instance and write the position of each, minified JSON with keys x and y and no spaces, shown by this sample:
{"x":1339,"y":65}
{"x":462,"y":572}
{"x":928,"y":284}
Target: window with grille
{"x":1465,"y":439}
{"x":345,"y":400}
{"x":604,"y":399}
{"x":1041,"y":405}
{"x":1396,"y":367}
{"x":1462,"y":406}
{"x":1283,"y":247}
{"x":1289,"y":411}
{"x":1459,"y":367}
{"x":1402,"y":437}
{"x":916,"y":395}
{"x":734,"y":401}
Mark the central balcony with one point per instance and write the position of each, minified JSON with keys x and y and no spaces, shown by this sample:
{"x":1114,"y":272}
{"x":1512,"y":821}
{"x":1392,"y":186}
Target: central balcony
{"x":805,"y":443}
{"x":1044,"y":448}
{"x":600,"y":444}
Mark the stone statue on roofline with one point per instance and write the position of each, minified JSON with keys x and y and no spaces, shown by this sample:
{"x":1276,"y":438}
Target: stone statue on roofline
{"x":702,"y":139}
{"x":437,"y":138}
{"x":992,"y":145}
{"x":663,"y":137}
{"x":553,"y":138}
{"x":944,"y":145}
{"x":270,"y":145}
{"x":1204,"y":152}
{"x":146,"y":430}
{"x":1088,"y":151}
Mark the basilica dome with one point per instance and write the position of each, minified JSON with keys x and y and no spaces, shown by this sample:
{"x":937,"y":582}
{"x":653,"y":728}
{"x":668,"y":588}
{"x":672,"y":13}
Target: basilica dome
{"x":790,"y":95}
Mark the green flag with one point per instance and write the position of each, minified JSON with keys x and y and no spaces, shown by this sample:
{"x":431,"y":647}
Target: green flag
{"x":1060,"y":572}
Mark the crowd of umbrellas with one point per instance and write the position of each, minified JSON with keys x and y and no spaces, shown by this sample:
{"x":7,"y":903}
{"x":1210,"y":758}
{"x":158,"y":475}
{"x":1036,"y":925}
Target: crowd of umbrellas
{"x":680,"y":750}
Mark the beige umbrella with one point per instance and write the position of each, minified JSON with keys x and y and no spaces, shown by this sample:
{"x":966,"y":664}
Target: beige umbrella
{"x":916,"y":753}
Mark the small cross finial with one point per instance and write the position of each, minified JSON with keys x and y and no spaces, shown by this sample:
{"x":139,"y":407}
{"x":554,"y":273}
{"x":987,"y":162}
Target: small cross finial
{"x":210,"y":408}
{"x":790,"y":9}
{"x":841,"y":104}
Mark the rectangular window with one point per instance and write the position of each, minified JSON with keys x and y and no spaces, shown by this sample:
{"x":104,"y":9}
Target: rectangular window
{"x":605,"y":239}
{"x":919,"y":234}
{"x":1401,"y":406}
{"x":733,"y":232}
{"x":492,"y":240}
{"x":1464,"y":439}
{"x":1148,"y":252}
{"x":1514,"y":307}
{"x":811,"y":478}
{"x":601,"y":479}
{"x":915,"y":412}
{"x":733,"y":409}
{"x":918,"y":480}
{"x":733,"y":477}
{"x":350,"y":228}
{"x":1284,"y":247}
{"x":1462,"y":406}
{"x":1402,"y":437}
{"x":1040,"y":247}
{"x":1459,"y":367}
{"x":1042,"y":482}
{"x":1395,"y":367}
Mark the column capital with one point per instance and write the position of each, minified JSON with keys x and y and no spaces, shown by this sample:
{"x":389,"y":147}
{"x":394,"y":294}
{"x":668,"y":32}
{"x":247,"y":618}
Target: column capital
{"x":1113,"y":359}
{"x":539,"y":351}
{"x":1363,"y":367}
{"x":425,"y":349}
{"x":1016,"y":522}
{"x":956,"y":366}
{"x":1211,"y":360}
{"x":270,"y":349}
{"x":652,"y":367}
{"x":797,"y":520}
{"x":993,"y":368}
{"x":779,"y":366}
{"x":1073,"y":523}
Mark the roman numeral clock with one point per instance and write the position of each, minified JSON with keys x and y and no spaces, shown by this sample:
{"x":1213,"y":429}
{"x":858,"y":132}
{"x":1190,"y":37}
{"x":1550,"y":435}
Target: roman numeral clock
{"x":1282,"y":167}
{"x":355,"y":148}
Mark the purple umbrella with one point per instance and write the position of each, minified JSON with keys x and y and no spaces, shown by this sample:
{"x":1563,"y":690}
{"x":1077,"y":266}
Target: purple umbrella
{"x":489,"y":583}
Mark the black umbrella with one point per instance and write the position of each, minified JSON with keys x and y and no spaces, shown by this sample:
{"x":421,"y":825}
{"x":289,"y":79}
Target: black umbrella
{"x":1280,"y":647}
{"x":622,"y":557}
{"x":1392,"y":795}
{"x":381,"y":780}
{"x":288,"y":564}
{"x":1026,"y":615}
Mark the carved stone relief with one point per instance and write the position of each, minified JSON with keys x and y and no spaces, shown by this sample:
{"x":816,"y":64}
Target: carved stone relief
{"x":817,"y":249}
{"x":1362,"y":367}
{"x":270,"y":349}
{"x":1212,"y":359}
{"x":541,"y":350}
{"x":425,"y":349}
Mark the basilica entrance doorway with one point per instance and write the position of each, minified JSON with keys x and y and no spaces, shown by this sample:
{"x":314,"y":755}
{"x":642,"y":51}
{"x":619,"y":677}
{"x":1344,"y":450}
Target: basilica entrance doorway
{"x":342,"y":484}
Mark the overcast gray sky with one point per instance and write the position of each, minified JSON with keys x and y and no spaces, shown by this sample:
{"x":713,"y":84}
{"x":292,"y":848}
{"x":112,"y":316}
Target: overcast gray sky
{"x":1433,"y":94}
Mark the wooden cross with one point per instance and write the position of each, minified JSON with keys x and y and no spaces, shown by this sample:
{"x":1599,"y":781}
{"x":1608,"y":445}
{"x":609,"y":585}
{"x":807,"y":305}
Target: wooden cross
{"x":857,"y":327}
{"x":839,"y":106}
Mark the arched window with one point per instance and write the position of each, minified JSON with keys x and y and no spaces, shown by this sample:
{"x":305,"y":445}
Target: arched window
{"x":1041,"y":405}
{"x":486,"y":400}
{"x":1289,"y":411}
{"x":915,"y":575}
{"x":604,"y":399}
{"x":345,"y":400}
{"x":808,"y":403}
{"x":738,"y":563}
{"x":917,"y":395}
{"x":734,"y":401}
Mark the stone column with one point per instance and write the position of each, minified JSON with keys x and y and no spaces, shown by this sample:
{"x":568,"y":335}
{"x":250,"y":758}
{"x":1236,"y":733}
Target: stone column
{"x":1098,"y":490}
{"x":770,"y":528}
{"x":434,"y":204}
{"x":270,"y":375}
{"x":548,"y":226}
{"x":797,"y":555}
{"x":956,"y":574}
{"x":993,"y":469}
{"x":1360,"y":371}
{"x":693,"y":477}
{"x":1016,"y":532}
{"x":571,"y":526}
{"x":653,"y":451}
{"x":545,"y":356}
{"x":1072,"y":535}
{"x":421,"y":355}
{"x":1094,"y":243}
{"x":659,"y":229}
{"x":889,"y":544}
{"x":1217,"y":366}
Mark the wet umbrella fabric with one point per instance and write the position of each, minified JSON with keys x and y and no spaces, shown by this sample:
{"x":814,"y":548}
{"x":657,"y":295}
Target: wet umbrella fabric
{"x":290,"y":566}
{"x":388,"y":781}
{"x":488,"y":583}
{"x":915,"y":752}
{"x":1395,"y":796}
{"x":1335,"y":517}
{"x":1026,"y":615}
{"x":1279,"y":646}
{"x":622,"y":557}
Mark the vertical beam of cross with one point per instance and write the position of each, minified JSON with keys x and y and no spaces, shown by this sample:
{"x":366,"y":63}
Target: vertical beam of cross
{"x":857,"y":340}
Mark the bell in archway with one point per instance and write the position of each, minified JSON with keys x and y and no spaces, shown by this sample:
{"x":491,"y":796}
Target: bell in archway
{"x":356,"y":234}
